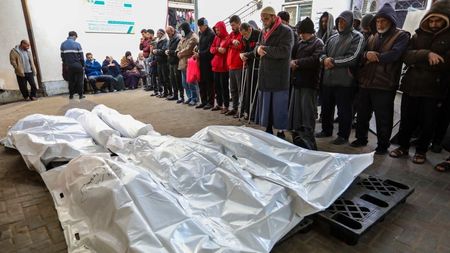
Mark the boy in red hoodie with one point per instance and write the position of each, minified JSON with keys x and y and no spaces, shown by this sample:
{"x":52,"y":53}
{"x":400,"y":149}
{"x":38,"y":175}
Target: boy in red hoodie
{"x":220,"y":68}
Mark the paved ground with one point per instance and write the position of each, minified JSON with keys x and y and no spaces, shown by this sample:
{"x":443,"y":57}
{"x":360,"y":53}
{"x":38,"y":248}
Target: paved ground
{"x":28,"y":220}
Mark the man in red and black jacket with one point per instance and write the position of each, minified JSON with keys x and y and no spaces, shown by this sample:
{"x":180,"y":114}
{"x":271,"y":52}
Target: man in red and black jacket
{"x":234,"y":62}
{"x":250,"y":38}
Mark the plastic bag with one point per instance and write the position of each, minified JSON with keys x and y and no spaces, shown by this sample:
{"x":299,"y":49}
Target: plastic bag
{"x":193,"y":71}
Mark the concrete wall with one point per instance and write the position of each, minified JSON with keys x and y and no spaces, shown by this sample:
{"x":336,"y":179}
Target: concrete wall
{"x":12,"y":31}
{"x":335,"y":7}
{"x":53,"y":19}
{"x":215,"y":11}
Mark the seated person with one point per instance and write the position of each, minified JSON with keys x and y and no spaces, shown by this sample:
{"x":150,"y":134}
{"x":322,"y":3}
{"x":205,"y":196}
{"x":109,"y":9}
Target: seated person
{"x":141,"y":65}
{"x":112,"y":67}
{"x":129,"y":71}
{"x":94,"y":74}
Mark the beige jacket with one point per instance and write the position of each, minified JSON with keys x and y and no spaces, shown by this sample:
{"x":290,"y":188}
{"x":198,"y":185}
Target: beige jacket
{"x":186,"y":49}
{"x":16,"y":62}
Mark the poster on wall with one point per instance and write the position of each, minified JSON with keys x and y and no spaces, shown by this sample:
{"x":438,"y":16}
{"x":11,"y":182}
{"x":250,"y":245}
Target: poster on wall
{"x":110,"y":16}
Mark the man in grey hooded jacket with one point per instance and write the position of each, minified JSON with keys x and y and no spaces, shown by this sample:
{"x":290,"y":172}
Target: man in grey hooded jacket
{"x":341,"y":55}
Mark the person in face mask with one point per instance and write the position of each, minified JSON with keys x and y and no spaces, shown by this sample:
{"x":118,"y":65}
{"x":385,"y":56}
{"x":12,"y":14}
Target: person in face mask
{"x":184,"y":51}
{"x":379,"y":78}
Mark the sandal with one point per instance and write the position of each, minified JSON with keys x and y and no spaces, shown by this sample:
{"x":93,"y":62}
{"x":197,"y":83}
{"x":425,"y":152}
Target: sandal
{"x":419,"y":158}
{"x":398,"y":152}
{"x":443,"y":166}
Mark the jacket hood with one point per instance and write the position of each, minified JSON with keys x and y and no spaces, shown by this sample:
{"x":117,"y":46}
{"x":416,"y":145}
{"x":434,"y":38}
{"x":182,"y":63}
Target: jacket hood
{"x":221,"y":27}
{"x":186,"y":28}
{"x":385,"y":12}
{"x":348,"y":17}
{"x":440,"y":9}
{"x":330,"y":24}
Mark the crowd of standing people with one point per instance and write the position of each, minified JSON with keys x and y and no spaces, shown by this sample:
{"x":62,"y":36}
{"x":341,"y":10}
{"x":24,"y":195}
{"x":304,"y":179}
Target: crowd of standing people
{"x":277,"y":76}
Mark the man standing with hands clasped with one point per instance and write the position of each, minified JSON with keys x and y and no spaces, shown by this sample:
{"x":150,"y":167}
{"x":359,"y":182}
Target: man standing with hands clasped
{"x":274,"y":48}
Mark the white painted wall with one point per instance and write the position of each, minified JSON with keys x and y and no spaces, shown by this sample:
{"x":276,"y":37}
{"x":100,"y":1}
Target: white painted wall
{"x":12,"y":31}
{"x":335,"y":7}
{"x":215,"y":11}
{"x":53,"y":19}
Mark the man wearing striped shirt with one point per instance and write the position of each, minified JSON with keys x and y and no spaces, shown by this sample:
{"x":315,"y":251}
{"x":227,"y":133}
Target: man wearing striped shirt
{"x":73,"y":64}
{"x":341,"y":55}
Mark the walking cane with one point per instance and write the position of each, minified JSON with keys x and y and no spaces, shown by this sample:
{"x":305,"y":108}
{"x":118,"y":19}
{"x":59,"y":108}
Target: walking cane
{"x":251,"y":90}
{"x":241,"y":96}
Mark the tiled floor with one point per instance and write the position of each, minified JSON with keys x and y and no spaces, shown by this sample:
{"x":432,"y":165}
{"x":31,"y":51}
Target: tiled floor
{"x":28,"y":220}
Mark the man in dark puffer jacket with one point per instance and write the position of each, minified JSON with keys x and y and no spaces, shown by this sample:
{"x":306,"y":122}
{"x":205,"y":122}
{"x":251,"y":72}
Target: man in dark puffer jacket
{"x":426,"y":81}
{"x":379,"y":78}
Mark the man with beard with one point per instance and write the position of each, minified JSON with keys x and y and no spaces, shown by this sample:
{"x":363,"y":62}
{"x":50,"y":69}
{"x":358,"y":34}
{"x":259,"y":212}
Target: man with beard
{"x":172,"y":59}
{"x":379,"y":78}
{"x":274,"y":49}
{"x":426,"y":81}
{"x":250,"y":38}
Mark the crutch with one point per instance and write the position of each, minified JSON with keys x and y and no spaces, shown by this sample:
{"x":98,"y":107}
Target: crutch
{"x":241,"y":96}
{"x":251,"y":90}
{"x":253,"y":100}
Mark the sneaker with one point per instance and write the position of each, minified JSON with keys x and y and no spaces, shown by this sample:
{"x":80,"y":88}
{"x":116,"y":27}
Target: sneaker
{"x":200,"y":106}
{"x":216,"y":108}
{"x":381,"y":151}
{"x":207,"y":107}
{"x":339,"y":141}
{"x":322,"y":135}
{"x":231,"y":113}
{"x":358,"y":143}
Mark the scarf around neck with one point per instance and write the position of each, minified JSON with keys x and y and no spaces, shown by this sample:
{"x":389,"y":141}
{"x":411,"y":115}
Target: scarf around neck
{"x":267,"y":34}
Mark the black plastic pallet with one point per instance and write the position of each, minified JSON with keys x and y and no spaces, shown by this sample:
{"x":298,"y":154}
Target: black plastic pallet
{"x":303,"y":227}
{"x":368,"y":200}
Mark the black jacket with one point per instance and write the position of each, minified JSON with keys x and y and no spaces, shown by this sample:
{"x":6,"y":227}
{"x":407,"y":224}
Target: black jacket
{"x":249,"y":47}
{"x":173,"y":44}
{"x":308,"y":64}
{"x":161,"y":46}
{"x":421,"y":79}
{"x":274,"y":71}
{"x":206,"y":39}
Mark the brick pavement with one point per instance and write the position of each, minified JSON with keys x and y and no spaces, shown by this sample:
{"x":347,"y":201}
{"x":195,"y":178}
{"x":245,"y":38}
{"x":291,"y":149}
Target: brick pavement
{"x":29,"y":223}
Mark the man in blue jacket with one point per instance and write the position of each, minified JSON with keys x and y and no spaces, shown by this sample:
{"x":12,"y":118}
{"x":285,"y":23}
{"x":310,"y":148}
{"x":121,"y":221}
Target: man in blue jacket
{"x":94,"y":74}
{"x":73,"y":63}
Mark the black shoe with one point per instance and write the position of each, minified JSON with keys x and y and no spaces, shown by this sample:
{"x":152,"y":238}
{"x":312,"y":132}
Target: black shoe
{"x":82,"y":96}
{"x":381,"y":151}
{"x":207,"y":107}
{"x":339,"y":141}
{"x":95,"y":92}
{"x":358,"y":143}
{"x":70,"y":97}
{"x":200,"y":106}
{"x":180,"y":101}
{"x":172,"y":98}
{"x":281,"y":135}
{"x":322,"y":135}
{"x":154,"y":94}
